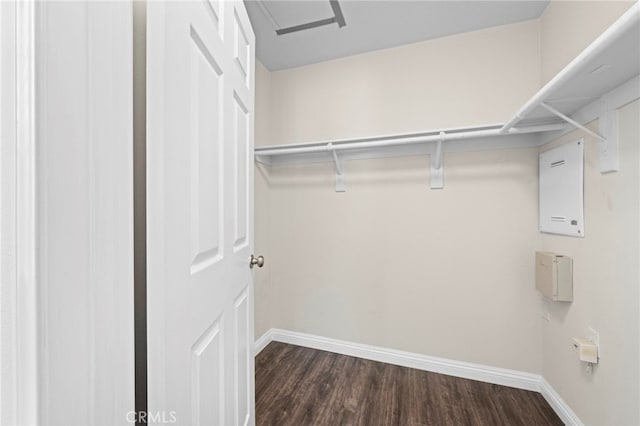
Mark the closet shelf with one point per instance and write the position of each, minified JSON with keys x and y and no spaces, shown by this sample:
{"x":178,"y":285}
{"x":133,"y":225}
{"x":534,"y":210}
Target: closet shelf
{"x":607,"y":63}
{"x":605,"y":76}
{"x":433,"y":144}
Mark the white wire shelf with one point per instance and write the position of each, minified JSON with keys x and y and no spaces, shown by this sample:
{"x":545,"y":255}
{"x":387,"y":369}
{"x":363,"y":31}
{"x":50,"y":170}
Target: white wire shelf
{"x":605,"y":76}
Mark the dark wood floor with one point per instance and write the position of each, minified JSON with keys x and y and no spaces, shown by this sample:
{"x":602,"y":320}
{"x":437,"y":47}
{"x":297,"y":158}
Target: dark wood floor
{"x":301,"y":386}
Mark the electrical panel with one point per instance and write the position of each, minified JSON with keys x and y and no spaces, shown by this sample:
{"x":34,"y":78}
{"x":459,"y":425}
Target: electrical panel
{"x":561,"y":200}
{"x":554,"y":276}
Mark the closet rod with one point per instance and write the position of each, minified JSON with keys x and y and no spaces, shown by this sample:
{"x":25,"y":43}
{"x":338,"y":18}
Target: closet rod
{"x":626,"y":22}
{"x":334,"y":146}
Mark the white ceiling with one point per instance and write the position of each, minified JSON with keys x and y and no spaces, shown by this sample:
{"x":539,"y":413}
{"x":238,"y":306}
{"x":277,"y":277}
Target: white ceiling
{"x":371,"y":25}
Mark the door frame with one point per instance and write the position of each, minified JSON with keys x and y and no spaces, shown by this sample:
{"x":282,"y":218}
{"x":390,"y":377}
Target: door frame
{"x":19,"y":346}
{"x":24,"y":227}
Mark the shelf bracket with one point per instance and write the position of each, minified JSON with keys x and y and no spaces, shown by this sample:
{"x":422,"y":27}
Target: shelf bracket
{"x":437,"y":171}
{"x":340,"y":181}
{"x":571,"y":121}
{"x":609,"y":161}
{"x":609,"y":158}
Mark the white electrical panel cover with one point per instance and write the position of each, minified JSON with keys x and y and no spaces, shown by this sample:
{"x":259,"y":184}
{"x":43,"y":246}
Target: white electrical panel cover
{"x":561,"y":190}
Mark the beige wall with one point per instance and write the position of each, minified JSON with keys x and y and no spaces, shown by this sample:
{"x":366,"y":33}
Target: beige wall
{"x":606,"y":260}
{"x":386,"y":262}
{"x":567,"y":27}
{"x":469,"y":79}
{"x":394,"y":264}
{"x":606,"y":287}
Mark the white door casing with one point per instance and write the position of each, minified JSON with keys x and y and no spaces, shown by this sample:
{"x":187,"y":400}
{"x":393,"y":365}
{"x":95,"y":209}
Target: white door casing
{"x":66,"y":214}
{"x":19,"y":346}
{"x":200,"y":103}
{"x":84,"y":144}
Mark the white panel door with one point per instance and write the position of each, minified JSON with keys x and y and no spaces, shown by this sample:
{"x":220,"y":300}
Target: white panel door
{"x":200,"y":103}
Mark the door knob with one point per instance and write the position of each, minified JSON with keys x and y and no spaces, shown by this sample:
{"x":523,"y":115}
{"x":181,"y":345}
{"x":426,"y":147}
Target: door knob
{"x":256,"y":261}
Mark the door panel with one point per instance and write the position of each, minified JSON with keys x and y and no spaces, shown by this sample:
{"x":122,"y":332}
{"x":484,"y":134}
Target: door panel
{"x":242,"y":47}
{"x":242,"y":358}
{"x":205,"y":109}
{"x":207,"y":384}
{"x":241,"y":159}
{"x":199,"y":189}
{"x":213,"y":7}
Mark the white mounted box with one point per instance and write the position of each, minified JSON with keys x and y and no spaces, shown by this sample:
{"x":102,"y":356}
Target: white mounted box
{"x":587,"y":350}
{"x":561,"y":190}
{"x":554,"y":276}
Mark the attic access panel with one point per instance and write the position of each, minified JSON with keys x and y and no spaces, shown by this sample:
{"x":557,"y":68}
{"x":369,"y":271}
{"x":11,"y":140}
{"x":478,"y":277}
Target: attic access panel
{"x":289,"y":17}
{"x":561,"y":197}
{"x":291,"y":13}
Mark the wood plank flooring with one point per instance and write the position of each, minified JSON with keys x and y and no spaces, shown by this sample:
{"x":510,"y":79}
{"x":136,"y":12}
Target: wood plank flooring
{"x":301,"y":386}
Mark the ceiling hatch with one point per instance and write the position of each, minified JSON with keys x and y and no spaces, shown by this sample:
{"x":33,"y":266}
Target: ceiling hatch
{"x":370,"y":25}
{"x":289,"y":17}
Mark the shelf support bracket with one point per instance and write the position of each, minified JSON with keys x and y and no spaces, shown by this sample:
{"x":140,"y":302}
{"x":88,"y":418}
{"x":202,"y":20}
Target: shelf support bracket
{"x":437,"y":170}
{"x":340,"y":181}
{"x":609,"y":158}
{"x":571,"y":121}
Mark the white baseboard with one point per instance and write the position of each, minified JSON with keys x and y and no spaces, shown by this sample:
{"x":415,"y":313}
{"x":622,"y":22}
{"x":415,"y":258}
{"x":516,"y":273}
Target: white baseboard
{"x":561,"y":408}
{"x":263,"y":341}
{"x":466,"y":370}
{"x":499,"y":376}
